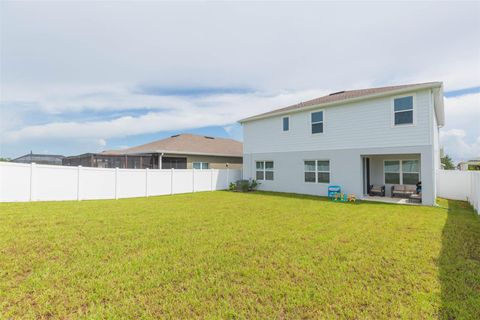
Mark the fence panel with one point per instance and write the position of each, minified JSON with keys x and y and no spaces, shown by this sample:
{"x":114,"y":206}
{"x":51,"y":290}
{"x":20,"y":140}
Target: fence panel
{"x":459,"y":185}
{"x":97,"y":183}
{"x":453,"y":184}
{"x":474,"y":198}
{"x":203,"y":180}
{"x":54,"y":183}
{"x":14,"y":181}
{"x":182,"y":181}
{"x":31,"y":182}
{"x":130,"y":183}
{"x":159,"y":182}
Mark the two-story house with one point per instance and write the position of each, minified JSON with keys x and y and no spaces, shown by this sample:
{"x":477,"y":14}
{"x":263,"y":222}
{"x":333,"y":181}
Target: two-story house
{"x":384,"y":136}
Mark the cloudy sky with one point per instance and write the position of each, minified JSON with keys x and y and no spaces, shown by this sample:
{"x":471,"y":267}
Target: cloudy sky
{"x":85,"y":77}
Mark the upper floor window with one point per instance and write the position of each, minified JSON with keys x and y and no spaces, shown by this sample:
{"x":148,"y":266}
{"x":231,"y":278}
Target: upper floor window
{"x":264,"y":170}
{"x":403,"y":110}
{"x":200,"y":165}
{"x":317,"y":122}
{"x":286,"y":123}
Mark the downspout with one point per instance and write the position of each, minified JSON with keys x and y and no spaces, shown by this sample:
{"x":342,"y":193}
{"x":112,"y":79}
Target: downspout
{"x":160,"y":156}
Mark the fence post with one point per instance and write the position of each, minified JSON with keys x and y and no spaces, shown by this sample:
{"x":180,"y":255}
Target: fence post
{"x":228,"y":177}
{"x":193,"y":179}
{"x":32,"y":181}
{"x":171,"y":180}
{"x":116,"y":183}
{"x":146,"y":182}
{"x":79,"y":168}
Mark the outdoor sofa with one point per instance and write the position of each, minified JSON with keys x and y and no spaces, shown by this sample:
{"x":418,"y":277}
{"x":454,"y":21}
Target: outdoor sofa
{"x":376,"y":190}
{"x":403,"y":191}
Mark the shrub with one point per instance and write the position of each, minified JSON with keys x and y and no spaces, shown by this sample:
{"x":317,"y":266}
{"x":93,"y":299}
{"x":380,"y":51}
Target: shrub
{"x":243,"y":185}
{"x":253,"y":185}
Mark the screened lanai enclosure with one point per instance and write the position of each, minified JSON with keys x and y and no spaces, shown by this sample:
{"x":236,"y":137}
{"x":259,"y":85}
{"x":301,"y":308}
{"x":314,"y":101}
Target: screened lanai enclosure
{"x":130,"y":161}
{"x":135,"y":161}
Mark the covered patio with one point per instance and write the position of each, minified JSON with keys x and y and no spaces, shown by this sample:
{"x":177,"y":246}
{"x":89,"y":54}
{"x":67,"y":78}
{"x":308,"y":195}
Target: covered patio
{"x":391,"y":200}
{"x":392,"y":178}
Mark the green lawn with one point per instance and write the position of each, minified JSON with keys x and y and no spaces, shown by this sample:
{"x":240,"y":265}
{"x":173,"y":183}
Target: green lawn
{"x":235,"y":255}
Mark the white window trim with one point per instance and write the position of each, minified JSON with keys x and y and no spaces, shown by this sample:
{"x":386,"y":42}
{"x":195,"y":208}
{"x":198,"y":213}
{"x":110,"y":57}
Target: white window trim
{"x":311,"y":123}
{"x":201,"y":165}
{"x":317,"y":171}
{"x":401,"y":170}
{"x":414,"y":106}
{"x":289,"y":124}
{"x":265,"y":170}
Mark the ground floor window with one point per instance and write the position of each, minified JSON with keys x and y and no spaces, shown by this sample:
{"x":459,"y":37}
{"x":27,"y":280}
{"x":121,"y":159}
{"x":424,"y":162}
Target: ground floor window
{"x":200,"y":165}
{"x":264,"y":170}
{"x":402,"y":171}
{"x":317,"y":171}
{"x":174,"y":163}
{"x":410,"y":172}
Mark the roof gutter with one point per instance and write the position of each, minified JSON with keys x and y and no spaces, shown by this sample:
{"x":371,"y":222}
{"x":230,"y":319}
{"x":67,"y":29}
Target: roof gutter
{"x":334,"y":103}
{"x":168,"y":152}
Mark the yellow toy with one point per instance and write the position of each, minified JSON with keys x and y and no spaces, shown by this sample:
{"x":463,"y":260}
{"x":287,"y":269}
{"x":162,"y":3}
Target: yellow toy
{"x":352,"y":197}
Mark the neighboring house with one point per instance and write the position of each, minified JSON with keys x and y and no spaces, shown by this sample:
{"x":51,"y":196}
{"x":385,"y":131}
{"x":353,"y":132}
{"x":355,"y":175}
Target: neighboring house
{"x":181,"y":151}
{"x":31,"y":157}
{"x":473,"y":164}
{"x":354,"y":139}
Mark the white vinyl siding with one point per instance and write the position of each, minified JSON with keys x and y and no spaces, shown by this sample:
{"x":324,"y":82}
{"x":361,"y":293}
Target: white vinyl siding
{"x":366,"y":124}
{"x":345,"y":168}
{"x":264,"y":170}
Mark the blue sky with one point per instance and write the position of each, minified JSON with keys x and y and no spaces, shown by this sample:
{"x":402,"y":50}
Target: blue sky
{"x":86,"y":77}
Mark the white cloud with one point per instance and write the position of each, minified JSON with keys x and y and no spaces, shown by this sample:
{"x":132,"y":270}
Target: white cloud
{"x":188,"y":113}
{"x":461,"y":135}
{"x":101,"y":142}
{"x":61,"y":59}
{"x":458,"y":148}
{"x":286,"y":46}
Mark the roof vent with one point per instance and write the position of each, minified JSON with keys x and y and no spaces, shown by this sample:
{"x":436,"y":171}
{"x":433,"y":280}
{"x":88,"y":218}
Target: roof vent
{"x":338,"y":92}
{"x":174,"y":136}
{"x":207,"y":137}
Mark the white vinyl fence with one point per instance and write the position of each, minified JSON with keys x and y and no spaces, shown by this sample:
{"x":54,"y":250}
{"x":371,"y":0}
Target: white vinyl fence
{"x":459,"y":185}
{"x":35,"y":182}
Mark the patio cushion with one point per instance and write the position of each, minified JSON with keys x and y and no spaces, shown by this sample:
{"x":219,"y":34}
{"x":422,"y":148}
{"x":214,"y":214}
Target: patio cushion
{"x":411,"y":188}
{"x":398,"y":187}
{"x":376,"y":188}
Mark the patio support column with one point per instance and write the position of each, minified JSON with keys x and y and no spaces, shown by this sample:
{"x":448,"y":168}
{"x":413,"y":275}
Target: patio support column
{"x":427,"y":177}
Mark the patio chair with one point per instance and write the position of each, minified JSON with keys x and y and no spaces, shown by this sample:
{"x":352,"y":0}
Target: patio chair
{"x":376,"y":190}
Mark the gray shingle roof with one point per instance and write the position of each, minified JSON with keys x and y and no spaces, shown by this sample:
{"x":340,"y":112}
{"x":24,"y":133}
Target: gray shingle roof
{"x":188,"y":144}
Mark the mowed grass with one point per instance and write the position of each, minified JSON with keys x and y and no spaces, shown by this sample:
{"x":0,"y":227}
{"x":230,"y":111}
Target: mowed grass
{"x":235,"y":255}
